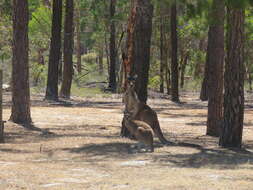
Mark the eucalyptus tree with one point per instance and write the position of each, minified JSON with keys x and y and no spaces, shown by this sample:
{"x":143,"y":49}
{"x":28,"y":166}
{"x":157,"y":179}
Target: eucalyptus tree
{"x":68,"y":71}
{"x":55,"y":52}
{"x":20,"y":111}
{"x":231,"y":134}
{"x":174,"y":56}
{"x":140,"y":48}
{"x":215,"y":60}
{"x":112,"y":69}
{"x":78,"y":36}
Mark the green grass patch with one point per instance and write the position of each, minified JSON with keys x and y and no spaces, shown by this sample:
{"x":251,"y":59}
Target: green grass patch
{"x":85,"y":91}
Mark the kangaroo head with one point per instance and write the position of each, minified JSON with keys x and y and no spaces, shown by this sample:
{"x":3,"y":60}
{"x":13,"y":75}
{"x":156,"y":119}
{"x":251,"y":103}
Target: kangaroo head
{"x":130,"y":97}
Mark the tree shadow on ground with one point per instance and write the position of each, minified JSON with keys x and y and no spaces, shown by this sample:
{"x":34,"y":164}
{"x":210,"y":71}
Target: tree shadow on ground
{"x":209,"y":158}
{"x":25,"y":135}
{"x":15,"y":151}
{"x":103,"y":151}
{"x":172,"y":115}
{"x":38,"y":101}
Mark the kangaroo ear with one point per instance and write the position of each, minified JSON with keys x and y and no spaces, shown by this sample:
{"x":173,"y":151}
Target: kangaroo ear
{"x":132,"y":78}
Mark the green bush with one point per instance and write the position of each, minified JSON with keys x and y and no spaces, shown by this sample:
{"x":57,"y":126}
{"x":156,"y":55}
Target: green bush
{"x":154,"y":82}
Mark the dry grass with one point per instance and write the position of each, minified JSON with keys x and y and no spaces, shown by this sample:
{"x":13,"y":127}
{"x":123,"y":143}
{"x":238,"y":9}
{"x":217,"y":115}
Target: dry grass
{"x":86,"y":152}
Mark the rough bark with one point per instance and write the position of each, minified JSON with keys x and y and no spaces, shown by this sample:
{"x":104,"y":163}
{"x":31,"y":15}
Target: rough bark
{"x":141,"y":46}
{"x":216,"y":61}
{"x":112,"y":71}
{"x":231,"y":135}
{"x":68,"y":50}
{"x":174,"y":58}
{"x":20,"y":111}
{"x":55,"y":52}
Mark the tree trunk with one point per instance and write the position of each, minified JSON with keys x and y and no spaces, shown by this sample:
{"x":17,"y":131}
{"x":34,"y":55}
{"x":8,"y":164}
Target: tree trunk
{"x":216,"y":59}
{"x":20,"y":112}
{"x":167,"y":65}
{"x":1,"y":108}
{"x":162,"y":48}
{"x":250,"y":81}
{"x":60,"y":69}
{"x":183,"y":66}
{"x":167,"y":78}
{"x":100,"y":61}
{"x":141,"y":46}
{"x":68,"y":50}
{"x":174,"y":61}
{"x":107,"y":52}
{"x":231,"y":135}
{"x":138,"y":48}
{"x":248,"y":70}
{"x":198,"y":70}
{"x":78,"y":39}
{"x":204,"y":86}
{"x":55,"y":52}
{"x":112,"y":72}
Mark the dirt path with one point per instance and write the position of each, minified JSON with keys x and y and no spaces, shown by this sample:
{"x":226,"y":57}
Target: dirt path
{"x":86,"y":152}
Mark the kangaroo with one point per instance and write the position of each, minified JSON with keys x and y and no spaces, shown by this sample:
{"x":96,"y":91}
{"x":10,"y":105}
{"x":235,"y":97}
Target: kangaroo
{"x":141,"y":111}
{"x":141,"y":130}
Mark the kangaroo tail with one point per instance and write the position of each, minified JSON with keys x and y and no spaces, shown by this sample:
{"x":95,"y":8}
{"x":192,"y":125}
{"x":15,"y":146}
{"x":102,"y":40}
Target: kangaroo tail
{"x":159,"y":134}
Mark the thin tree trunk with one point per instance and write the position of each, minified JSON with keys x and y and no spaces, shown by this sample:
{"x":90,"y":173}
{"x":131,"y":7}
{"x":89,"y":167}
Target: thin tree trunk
{"x":204,"y":86}
{"x":68,"y":50}
{"x":183,"y":66}
{"x":100,"y":61}
{"x":112,"y":73}
{"x":60,"y":69}
{"x":216,"y":59}
{"x":231,"y":135}
{"x":198,"y":70}
{"x":174,"y":60}
{"x":55,"y":52}
{"x":250,"y":81}
{"x":20,"y":111}
{"x":162,"y":48}
{"x":167,"y":78}
{"x":78,"y":39}
{"x":107,"y":54}
{"x":1,"y":108}
{"x":167,"y":64}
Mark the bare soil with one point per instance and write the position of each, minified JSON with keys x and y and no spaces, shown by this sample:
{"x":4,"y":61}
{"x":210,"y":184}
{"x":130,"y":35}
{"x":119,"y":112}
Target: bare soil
{"x":79,"y":148}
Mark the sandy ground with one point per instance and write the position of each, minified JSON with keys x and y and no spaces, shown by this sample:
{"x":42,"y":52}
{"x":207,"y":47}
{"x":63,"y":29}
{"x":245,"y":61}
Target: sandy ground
{"x":84,"y":150}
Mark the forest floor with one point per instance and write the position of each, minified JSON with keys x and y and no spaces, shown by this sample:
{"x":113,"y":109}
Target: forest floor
{"x":80,"y":148}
